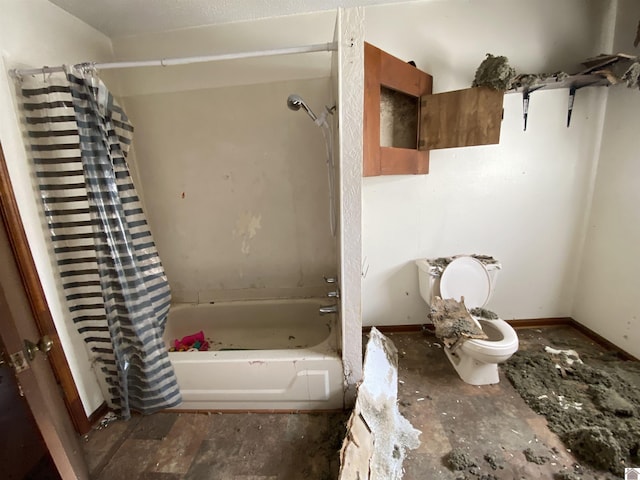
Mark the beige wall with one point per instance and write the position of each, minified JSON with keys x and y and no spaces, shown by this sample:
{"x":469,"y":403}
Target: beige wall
{"x":607,"y":296}
{"x":34,"y":33}
{"x":524,"y":200}
{"x":250,"y":36}
{"x":236,"y":189}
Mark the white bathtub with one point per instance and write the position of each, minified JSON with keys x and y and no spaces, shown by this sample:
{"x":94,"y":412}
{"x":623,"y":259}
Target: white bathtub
{"x":265,"y":355}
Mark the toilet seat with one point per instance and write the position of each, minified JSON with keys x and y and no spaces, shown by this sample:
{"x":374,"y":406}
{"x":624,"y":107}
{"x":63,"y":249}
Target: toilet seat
{"x":504,"y":346}
{"x":466,"y":277}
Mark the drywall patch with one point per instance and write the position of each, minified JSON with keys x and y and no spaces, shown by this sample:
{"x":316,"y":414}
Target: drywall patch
{"x":247,"y":226}
{"x":377,"y":434}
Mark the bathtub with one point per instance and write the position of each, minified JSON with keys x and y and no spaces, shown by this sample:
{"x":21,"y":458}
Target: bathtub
{"x":264,"y":355}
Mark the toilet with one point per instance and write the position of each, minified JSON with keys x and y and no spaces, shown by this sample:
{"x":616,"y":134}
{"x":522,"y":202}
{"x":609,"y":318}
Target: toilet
{"x":474,"y":278}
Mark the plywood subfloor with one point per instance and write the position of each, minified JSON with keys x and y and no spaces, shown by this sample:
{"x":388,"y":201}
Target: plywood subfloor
{"x":490,"y":421}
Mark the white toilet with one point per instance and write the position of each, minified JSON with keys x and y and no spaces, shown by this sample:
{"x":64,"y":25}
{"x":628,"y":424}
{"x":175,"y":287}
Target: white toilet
{"x":476,"y":361}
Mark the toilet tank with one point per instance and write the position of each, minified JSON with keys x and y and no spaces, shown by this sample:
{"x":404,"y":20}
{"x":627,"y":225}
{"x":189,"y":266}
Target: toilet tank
{"x":430,"y":270}
{"x":428,"y":280}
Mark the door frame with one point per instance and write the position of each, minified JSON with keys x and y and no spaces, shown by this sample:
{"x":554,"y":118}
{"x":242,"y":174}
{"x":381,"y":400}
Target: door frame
{"x":38,"y":303}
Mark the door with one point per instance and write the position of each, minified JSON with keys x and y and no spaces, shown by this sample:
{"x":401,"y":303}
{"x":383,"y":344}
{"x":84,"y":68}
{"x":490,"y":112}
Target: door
{"x":23,"y":453}
{"x":42,"y":395}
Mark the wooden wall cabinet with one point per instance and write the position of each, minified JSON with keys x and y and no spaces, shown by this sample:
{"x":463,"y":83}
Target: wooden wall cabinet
{"x":459,"y":118}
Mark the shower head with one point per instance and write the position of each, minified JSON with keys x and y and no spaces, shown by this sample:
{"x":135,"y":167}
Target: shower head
{"x":294,"y":102}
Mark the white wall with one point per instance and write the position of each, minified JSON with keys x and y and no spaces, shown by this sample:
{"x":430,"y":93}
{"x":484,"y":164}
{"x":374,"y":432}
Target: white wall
{"x":606,"y":300}
{"x":35,"y":33}
{"x":350,"y":66}
{"x":522,"y":201}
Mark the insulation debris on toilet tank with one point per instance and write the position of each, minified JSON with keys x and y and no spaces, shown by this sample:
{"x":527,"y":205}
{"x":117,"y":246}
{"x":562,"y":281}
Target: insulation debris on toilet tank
{"x":483,"y":313}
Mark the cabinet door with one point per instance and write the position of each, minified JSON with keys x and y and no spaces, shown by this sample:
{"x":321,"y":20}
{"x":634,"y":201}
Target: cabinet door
{"x":461,"y":118}
{"x":382,"y":70}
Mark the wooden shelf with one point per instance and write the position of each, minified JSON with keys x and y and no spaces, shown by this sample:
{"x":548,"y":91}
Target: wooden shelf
{"x":572,"y":81}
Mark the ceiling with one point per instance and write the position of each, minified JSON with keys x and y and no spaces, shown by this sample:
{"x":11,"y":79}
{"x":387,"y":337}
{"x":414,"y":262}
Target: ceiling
{"x":118,"y":18}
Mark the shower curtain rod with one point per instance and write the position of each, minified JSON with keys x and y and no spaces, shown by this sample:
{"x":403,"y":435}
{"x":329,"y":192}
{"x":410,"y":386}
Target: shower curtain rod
{"x":167,"y":62}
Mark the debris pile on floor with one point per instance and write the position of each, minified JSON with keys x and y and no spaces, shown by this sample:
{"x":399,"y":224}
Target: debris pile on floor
{"x":532,"y":457}
{"x":377,"y":434}
{"x":109,"y":418}
{"x":458,"y":460}
{"x":452,"y":321}
{"x":468,"y":467}
{"x":592,"y":404}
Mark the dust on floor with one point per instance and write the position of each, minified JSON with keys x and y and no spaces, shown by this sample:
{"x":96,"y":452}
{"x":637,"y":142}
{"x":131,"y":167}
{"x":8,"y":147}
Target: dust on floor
{"x":591,"y":402}
{"x":492,"y":425}
{"x":480,"y":432}
{"x":230,"y":446}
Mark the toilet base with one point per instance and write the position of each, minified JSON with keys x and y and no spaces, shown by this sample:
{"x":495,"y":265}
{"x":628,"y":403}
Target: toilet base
{"x":472,"y":371}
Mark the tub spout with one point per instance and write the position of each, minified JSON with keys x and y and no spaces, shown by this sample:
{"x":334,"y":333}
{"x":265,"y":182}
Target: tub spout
{"x":327,"y":309}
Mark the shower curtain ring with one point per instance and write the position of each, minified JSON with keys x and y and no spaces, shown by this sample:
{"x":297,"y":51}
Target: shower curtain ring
{"x":86,"y":67}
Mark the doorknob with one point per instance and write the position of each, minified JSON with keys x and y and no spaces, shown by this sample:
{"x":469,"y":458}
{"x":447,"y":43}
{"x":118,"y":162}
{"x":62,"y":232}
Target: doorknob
{"x":44,"y":345}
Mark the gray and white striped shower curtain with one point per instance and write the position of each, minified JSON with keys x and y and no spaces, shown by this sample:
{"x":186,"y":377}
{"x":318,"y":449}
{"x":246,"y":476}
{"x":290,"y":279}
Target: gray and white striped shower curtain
{"x":113,"y":280}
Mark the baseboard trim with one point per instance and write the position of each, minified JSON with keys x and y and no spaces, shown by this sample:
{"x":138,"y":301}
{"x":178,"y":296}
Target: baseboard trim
{"x":397,"y":328}
{"x":599,"y":339}
{"x":522,"y":324}
{"x":257,"y":411}
{"x":97,"y":415}
{"x":541,"y":322}
{"x":525,"y":323}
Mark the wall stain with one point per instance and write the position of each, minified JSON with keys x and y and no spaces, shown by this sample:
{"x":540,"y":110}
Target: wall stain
{"x":247,"y":226}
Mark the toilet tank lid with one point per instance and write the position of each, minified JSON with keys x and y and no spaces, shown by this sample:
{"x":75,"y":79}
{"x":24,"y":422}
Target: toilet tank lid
{"x":435,"y":266}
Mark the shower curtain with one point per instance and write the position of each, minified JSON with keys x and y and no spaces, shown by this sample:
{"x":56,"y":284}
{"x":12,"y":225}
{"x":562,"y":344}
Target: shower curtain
{"x":113,"y":281}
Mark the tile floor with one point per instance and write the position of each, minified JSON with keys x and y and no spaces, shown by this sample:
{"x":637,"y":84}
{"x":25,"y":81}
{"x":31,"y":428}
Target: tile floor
{"x":489,"y":420}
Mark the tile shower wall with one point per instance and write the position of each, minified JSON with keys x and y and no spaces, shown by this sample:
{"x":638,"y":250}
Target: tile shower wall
{"x":235,"y":188}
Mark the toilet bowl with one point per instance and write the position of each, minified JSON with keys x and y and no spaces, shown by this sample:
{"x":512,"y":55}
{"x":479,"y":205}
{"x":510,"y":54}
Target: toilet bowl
{"x":476,"y":361}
